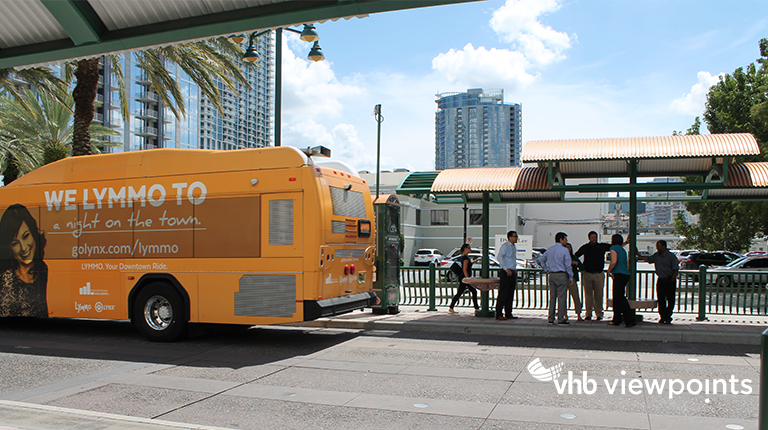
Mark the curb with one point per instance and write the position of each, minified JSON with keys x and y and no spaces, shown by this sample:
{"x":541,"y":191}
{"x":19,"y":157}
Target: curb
{"x":636,"y":334}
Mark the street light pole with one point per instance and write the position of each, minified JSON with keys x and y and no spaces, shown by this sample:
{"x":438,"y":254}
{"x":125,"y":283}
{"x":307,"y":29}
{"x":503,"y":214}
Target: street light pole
{"x":379,"y":119}
{"x":278,"y":84}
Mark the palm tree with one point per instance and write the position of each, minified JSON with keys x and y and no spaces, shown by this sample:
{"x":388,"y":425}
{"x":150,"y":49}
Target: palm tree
{"x":41,"y":79}
{"x":206,"y":62}
{"x":37,"y":130}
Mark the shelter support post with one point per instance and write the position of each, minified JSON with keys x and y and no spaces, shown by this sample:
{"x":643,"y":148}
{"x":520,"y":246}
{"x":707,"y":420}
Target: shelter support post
{"x":762,"y":416}
{"x":702,"y":293}
{"x":633,"y":284}
{"x":484,"y":296}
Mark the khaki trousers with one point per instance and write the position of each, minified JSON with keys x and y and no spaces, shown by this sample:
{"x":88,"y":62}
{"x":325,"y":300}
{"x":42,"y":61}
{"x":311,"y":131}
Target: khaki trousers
{"x":593,"y":284}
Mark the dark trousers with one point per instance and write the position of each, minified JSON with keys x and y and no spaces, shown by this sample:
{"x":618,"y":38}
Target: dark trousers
{"x":462,"y":288}
{"x":665,"y":291}
{"x":621,"y":309}
{"x":507,"y":285}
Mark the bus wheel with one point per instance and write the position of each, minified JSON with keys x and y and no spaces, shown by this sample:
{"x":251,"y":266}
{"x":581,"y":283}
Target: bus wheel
{"x":158,"y":313}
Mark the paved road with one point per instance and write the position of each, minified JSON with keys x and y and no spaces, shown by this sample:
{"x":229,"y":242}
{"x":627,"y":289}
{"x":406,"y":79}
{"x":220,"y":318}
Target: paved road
{"x":309,"y":378}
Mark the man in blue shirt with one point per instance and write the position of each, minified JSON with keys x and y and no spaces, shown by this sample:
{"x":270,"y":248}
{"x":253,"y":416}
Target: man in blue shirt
{"x":557,"y":262}
{"x":507,"y":256}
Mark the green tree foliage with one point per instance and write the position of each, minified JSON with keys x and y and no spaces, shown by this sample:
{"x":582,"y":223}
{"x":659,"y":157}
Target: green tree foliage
{"x":37,"y":130}
{"x":738,"y":103}
{"x":41,"y":79}
{"x":204,"y":62}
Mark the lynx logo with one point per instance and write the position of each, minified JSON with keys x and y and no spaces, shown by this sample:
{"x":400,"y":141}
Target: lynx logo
{"x":538,"y":371}
{"x":102,"y":307}
{"x":82,"y":308}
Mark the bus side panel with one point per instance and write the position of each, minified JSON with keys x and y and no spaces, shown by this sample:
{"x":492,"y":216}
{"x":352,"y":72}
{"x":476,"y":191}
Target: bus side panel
{"x":269,"y":296}
{"x":85,"y":289}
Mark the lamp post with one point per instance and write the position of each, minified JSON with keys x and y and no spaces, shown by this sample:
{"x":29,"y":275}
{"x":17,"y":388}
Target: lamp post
{"x":307,"y":34}
{"x":379,"y":120}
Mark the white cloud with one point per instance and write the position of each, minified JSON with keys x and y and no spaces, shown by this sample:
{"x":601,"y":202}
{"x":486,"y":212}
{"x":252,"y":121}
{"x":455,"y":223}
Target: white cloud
{"x":470,"y":67}
{"x":534,"y":45}
{"x":693,"y":102}
{"x":517,"y":22}
{"x":311,"y":90}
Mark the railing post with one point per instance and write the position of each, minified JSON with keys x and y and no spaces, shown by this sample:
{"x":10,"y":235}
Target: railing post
{"x":762,"y":416}
{"x":432,"y":281}
{"x":702,"y":293}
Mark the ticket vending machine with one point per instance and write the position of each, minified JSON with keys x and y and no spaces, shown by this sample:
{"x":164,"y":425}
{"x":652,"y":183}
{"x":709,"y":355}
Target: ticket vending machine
{"x":386,"y":283}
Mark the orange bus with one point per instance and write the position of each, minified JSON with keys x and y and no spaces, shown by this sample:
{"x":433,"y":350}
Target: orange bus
{"x":169,"y":237}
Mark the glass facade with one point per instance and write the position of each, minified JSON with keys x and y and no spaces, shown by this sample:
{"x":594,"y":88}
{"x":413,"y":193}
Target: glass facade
{"x":246,"y":121}
{"x":476,"y":129}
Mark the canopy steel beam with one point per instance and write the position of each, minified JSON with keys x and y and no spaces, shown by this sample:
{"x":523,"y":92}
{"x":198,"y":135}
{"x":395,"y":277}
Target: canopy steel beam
{"x":78,"y":19}
{"x":192,"y":28}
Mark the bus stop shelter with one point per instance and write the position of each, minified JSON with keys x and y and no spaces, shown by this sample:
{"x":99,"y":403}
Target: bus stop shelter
{"x":615,"y":165}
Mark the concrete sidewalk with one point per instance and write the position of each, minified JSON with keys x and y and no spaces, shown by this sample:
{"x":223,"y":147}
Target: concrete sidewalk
{"x":736,"y":329}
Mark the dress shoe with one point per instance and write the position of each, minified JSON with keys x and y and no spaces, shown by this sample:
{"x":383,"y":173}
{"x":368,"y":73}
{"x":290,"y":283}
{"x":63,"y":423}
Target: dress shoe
{"x":501,"y":318}
{"x":563,"y":322}
{"x":512,"y":317}
{"x":599,"y":318}
{"x":587,"y":318}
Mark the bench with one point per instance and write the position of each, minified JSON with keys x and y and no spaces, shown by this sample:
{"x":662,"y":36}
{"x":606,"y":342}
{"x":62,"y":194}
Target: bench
{"x":637,"y":304}
{"x":482,"y":284}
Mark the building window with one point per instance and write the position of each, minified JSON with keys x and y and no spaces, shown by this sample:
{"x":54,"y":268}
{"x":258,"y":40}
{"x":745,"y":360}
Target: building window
{"x":475,"y":217}
{"x":418,"y":216}
{"x":440,"y":217}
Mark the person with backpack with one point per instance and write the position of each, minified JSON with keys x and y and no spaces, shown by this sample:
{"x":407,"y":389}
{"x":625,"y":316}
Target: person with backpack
{"x":463,"y":269}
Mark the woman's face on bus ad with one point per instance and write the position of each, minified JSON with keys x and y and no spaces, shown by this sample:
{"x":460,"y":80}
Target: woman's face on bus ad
{"x":23,"y":245}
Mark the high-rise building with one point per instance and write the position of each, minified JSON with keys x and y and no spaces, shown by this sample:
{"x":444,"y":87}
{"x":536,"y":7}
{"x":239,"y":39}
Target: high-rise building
{"x":477,"y":129}
{"x":663,"y":212}
{"x":246,"y":120}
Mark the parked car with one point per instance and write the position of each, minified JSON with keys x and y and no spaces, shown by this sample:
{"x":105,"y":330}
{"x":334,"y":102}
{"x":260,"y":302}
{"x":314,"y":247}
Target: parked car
{"x":681,"y":255}
{"x":744,"y":271}
{"x":427,"y":255}
{"x":476,"y":257}
{"x":709,"y":259}
{"x":756,"y":253}
{"x":455,"y":252}
{"x":493,"y":264}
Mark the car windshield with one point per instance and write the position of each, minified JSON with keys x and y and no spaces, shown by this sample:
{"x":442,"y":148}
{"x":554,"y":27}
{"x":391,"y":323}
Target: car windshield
{"x":736,"y":263}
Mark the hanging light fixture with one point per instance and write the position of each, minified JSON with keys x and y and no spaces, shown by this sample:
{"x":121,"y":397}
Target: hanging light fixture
{"x":316,"y":53}
{"x":309,"y":34}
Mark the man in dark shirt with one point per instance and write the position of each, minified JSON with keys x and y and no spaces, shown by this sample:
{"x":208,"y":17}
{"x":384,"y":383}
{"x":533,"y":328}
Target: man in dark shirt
{"x":593,"y":278}
{"x":667,"y":267}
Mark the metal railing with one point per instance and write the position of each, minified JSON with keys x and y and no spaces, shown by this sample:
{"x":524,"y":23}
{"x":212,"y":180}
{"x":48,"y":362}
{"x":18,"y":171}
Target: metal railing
{"x":745,"y":294}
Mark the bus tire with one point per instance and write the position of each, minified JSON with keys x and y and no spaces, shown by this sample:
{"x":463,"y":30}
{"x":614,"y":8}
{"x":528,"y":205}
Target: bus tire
{"x":158,"y":313}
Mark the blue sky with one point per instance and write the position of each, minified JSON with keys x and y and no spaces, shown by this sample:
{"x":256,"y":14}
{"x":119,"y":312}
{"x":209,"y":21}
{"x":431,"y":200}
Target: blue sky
{"x":580,"y":68}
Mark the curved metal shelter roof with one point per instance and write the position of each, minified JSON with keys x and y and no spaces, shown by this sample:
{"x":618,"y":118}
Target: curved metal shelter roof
{"x":44,"y":31}
{"x":708,"y":156}
{"x":680,"y":155}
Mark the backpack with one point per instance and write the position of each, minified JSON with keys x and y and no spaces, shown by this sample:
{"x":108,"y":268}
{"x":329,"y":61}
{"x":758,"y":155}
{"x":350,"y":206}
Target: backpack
{"x":457,"y":270}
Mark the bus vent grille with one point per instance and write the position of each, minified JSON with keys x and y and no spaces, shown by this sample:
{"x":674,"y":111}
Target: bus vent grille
{"x":281,"y":222}
{"x":338,"y":227}
{"x":347,"y":203}
{"x":266,"y":296}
